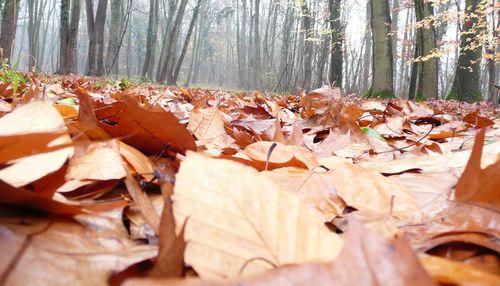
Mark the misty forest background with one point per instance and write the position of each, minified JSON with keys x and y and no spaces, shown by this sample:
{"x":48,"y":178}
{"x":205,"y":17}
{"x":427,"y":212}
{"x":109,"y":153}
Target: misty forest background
{"x":408,"y":48}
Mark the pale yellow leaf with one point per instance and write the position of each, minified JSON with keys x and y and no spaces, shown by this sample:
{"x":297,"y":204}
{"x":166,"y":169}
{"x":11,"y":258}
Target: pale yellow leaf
{"x":141,"y":164}
{"x":208,"y":126}
{"x":34,"y":117}
{"x":450,"y":272}
{"x":236,"y":215}
{"x":99,"y":163}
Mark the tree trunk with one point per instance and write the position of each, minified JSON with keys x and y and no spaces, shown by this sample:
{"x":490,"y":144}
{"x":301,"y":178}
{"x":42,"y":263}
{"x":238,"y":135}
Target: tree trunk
{"x":147,"y":69}
{"x":100,"y":21}
{"x":368,"y":50}
{"x":186,"y":43}
{"x":382,"y":71}
{"x":466,"y":85}
{"x":337,"y":39}
{"x":169,"y":52}
{"x":9,"y":25}
{"x":493,"y":68}
{"x":115,"y":35}
{"x":426,"y":41}
{"x":63,"y":36}
{"x":308,"y":35}
{"x":91,"y":66}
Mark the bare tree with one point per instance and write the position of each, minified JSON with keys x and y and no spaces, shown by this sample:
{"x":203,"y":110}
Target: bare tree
{"x":9,"y":24}
{"x":382,"y":76}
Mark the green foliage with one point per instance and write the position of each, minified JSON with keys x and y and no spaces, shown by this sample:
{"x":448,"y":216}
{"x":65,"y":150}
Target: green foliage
{"x":368,"y":93}
{"x":419,"y":97}
{"x":383,"y":94}
{"x":453,"y":95}
{"x":370,"y":132}
{"x":8,"y":74}
{"x":125,"y":83}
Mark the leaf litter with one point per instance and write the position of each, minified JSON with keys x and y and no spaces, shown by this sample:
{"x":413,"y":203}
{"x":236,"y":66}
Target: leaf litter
{"x":156,"y":185}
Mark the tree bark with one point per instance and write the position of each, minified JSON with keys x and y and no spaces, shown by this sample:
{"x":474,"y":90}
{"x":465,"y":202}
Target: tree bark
{"x":147,"y":69}
{"x":382,"y":63}
{"x":115,"y":36}
{"x":68,"y":36}
{"x":9,"y":24}
{"x":169,"y":55}
{"x":337,"y":39}
{"x":466,"y":84}
{"x":426,"y":41}
{"x":186,"y":43}
{"x":308,"y":35}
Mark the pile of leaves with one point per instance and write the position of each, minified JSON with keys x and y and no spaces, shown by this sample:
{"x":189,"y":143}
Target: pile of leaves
{"x":103,"y":183}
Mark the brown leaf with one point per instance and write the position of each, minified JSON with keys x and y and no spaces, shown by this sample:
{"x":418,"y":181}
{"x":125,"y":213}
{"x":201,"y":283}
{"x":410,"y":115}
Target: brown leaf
{"x":98,"y":161}
{"x":365,"y":259}
{"x":150,"y":131}
{"x":208,"y":126}
{"x":478,"y":185}
{"x":58,"y":251}
{"x":368,"y":190}
{"x":446,"y":271}
{"x":21,"y":145}
{"x":314,"y":187}
{"x":142,"y":201}
{"x":478,"y":121}
{"x":35,"y":117}
{"x":31,"y":200}
{"x":280,"y":155}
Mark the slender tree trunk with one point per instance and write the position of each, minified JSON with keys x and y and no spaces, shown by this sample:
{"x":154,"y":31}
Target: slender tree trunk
{"x":73,"y":37}
{"x":114,"y":38}
{"x":91,"y":64}
{"x":426,"y":43}
{"x":186,"y":44}
{"x":337,"y":39}
{"x":100,"y":21}
{"x":169,"y":56}
{"x":466,"y":85}
{"x":382,"y":76}
{"x":63,"y":36}
{"x":9,"y":24}
{"x":147,"y":69}
{"x":368,"y":50}
{"x":308,"y":35}
{"x":493,"y":68}
{"x":256,"y":45}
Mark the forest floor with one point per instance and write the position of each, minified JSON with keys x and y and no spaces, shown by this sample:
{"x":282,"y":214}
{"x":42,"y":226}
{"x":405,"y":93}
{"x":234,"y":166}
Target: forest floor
{"x":133,"y":184}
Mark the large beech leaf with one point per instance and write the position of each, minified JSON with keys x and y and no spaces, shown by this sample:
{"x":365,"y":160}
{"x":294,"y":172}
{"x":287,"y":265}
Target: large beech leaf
{"x":208,"y":126}
{"x":365,"y":259}
{"x":34,"y":117}
{"x":237,"y":216}
{"x":479,"y":186}
{"x":58,"y":251}
{"x":151,"y":130}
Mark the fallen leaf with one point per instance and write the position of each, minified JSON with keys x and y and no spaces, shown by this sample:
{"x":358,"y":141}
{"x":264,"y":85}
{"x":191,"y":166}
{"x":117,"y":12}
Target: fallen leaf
{"x":478,"y":185}
{"x":277,"y":155}
{"x":150,"y":131}
{"x":478,"y":121}
{"x":36,"y":250}
{"x":359,"y":263}
{"x":99,"y":162}
{"x":370,"y":190}
{"x":208,"y":126}
{"x":446,"y":271}
{"x":34,"y":117}
{"x":143,"y":203}
{"x":238,"y":217}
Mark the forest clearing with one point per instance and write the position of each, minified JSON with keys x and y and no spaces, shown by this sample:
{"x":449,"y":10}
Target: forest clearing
{"x":327,"y":151}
